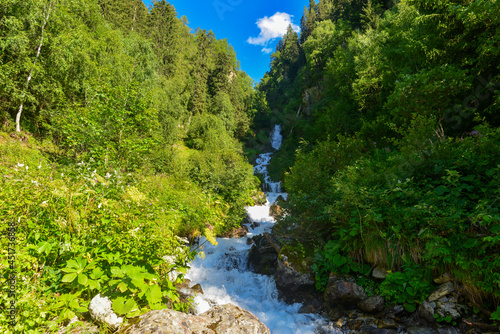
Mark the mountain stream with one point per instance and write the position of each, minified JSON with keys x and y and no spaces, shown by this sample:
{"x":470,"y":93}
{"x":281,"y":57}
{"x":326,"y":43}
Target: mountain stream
{"x":225,"y":276}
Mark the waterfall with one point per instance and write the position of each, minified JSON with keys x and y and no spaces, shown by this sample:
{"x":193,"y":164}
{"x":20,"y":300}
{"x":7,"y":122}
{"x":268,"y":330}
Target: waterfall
{"x":225,"y":277}
{"x":276,"y":137}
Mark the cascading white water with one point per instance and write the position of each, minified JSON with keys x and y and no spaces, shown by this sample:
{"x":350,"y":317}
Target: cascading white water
{"x":276,"y":137}
{"x":225,"y":277}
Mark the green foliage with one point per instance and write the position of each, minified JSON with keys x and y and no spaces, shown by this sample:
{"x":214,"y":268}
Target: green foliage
{"x":330,"y":259}
{"x":394,"y":106}
{"x":139,"y":119}
{"x":80,"y":234}
{"x":408,"y":287}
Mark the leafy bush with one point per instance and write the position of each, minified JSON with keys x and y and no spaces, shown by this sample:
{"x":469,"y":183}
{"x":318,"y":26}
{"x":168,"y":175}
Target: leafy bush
{"x":80,"y":233}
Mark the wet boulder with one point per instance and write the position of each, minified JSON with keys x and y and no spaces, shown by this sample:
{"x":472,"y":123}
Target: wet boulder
{"x":262,"y":256}
{"x":290,"y":278}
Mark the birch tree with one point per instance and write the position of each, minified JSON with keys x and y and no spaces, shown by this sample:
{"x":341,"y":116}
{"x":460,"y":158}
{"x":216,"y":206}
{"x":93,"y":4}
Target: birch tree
{"x":20,"y":111}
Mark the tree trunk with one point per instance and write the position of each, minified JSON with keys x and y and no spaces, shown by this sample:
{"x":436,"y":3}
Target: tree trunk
{"x":18,"y":115}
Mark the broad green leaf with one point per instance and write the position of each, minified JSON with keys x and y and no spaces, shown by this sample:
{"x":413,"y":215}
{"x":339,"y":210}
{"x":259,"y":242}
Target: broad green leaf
{"x":154,"y":294}
{"x":68,"y":278}
{"x":66,"y":314}
{"x":82,"y":279}
{"x":96,"y":273}
{"x":93,"y":284}
{"x":116,"y":272}
{"x":122,"y":287}
{"x":124,"y":306}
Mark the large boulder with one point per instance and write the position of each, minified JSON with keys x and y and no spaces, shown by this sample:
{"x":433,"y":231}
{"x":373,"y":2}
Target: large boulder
{"x":295,"y":286}
{"x":372,"y":304}
{"x":275,"y":211}
{"x":343,"y":290}
{"x":289,"y":278}
{"x":221,"y":319}
{"x":262,"y":256}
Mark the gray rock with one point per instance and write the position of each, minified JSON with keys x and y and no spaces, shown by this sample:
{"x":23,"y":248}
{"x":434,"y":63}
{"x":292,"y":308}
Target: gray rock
{"x":379,"y":272}
{"x":362,"y":322}
{"x":426,"y":310}
{"x":372,"y":304}
{"x":289,"y":278}
{"x":231,"y":319}
{"x":344,"y":291}
{"x":222,"y":319}
{"x":387,"y":324}
{"x":420,"y":330}
{"x":307,"y":309}
{"x":373,"y":330}
{"x":443,"y":290}
{"x":447,"y":330}
{"x":447,"y":309}
{"x":262,"y":256}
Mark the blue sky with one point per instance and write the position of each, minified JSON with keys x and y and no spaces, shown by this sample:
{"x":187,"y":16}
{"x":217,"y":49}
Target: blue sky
{"x":237,"y":20}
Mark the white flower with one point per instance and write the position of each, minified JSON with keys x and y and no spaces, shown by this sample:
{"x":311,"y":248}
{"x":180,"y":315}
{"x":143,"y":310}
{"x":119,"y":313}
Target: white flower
{"x":26,"y":167}
{"x":99,"y":206}
{"x":107,"y":175}
{"x":34,"y":182}
{"x":65,"y":246}
{"x":80,"y":163}
{"x":62,"y":174}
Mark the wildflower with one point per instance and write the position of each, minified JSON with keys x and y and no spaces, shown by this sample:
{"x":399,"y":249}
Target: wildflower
{"x":65,"y":247}
{"x":99,"y":206}
{"x":19,"y":165}
{"x":35,"y":183}
{"x":80,"y":163}
{"x":26,"y":167}
{"x":474,"y":133}
{"x":107,"y":175}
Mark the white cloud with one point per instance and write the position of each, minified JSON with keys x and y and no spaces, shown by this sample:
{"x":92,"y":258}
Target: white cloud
{"x":271,"y":28}
{"x":267,"y":50}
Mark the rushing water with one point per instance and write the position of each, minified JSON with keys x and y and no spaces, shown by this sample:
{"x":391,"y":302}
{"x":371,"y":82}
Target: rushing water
{"x":225,"y":277}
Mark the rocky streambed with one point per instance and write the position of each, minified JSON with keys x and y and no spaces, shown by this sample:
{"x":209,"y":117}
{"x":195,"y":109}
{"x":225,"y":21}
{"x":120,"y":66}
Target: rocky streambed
{"x":351,"y":309}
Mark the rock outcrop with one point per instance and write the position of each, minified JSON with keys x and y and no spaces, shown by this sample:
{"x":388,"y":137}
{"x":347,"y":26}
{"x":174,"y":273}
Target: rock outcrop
{"x":221,"y":319}
{"x":262,"y":257}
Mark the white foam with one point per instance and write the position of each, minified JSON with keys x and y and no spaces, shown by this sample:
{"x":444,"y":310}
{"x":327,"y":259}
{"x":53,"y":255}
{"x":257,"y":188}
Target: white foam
{"x":225,"y":277}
